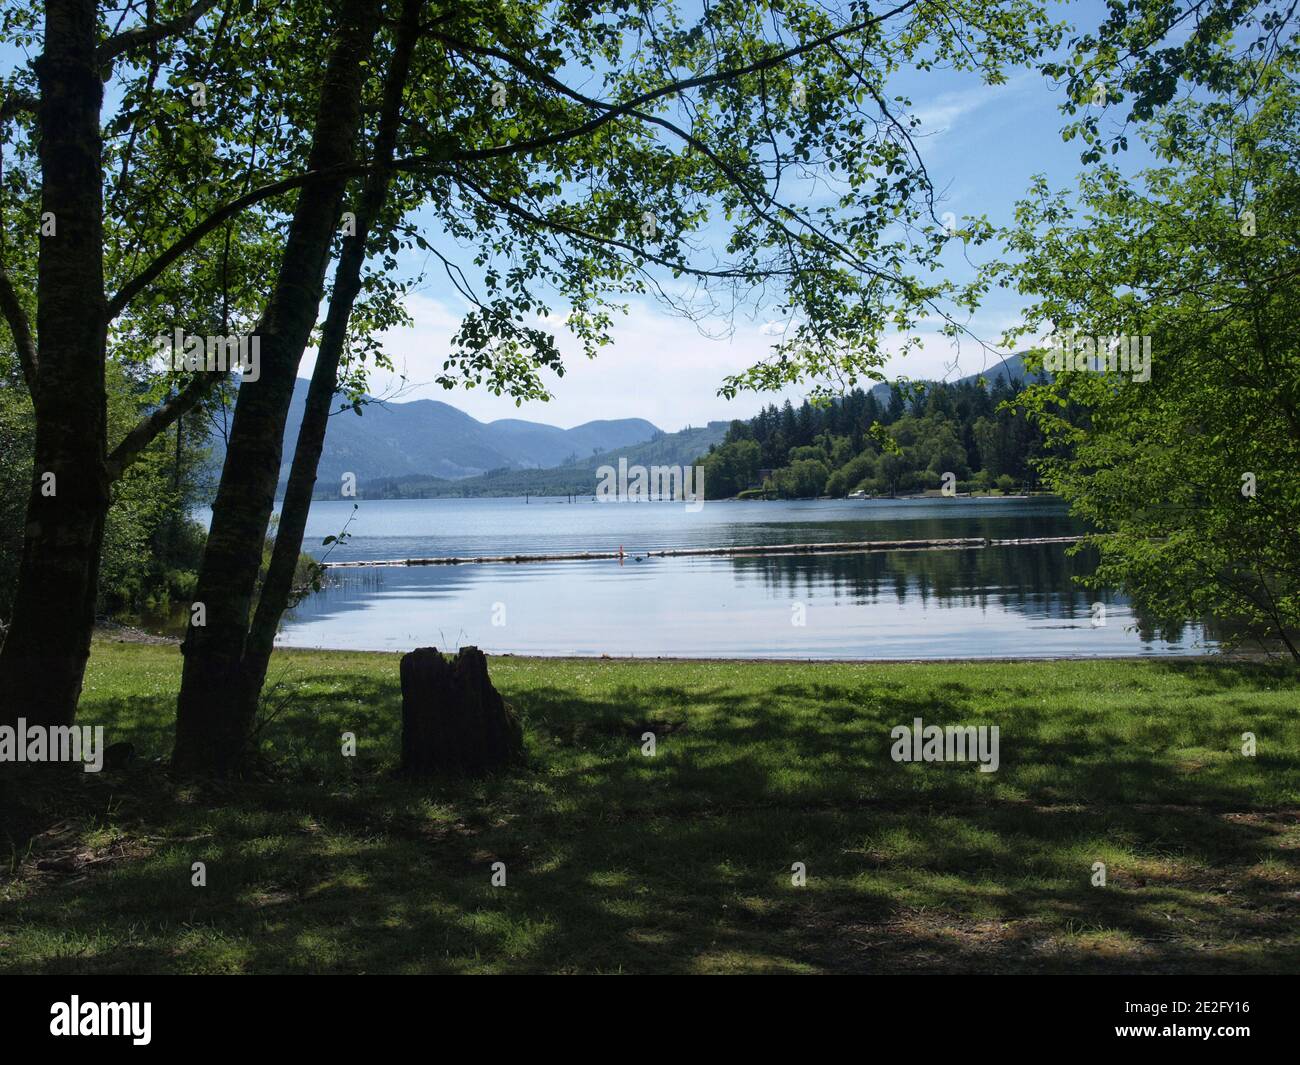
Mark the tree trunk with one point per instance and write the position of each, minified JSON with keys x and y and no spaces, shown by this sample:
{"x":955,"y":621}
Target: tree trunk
{"x":453,"y":719}
{"x":278,"y":584}
{"x":44,"y":654}
{"x":213,"y":723}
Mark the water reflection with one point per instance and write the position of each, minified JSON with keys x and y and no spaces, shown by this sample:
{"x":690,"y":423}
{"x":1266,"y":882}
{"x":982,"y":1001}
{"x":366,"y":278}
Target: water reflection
{"x":1016,"y":600}
{"x":421,"y":528}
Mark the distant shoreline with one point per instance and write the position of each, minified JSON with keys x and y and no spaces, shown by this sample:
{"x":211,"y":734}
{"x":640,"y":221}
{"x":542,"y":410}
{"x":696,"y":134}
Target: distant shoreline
{"x":833,"y":547}
{"x":114,"y":632}
{"x":583,"y":497}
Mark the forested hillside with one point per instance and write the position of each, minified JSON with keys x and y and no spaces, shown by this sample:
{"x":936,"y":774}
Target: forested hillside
{"x":858,"y":444}
{"x":424,"y":440}
{"x":574,"y":478}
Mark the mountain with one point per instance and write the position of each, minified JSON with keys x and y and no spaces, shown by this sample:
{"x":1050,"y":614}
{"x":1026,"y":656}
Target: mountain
{"x":549,"y":446}
{"x":425,"y":437}
{"x":1012,"y":368}
{"x":579,"y":478}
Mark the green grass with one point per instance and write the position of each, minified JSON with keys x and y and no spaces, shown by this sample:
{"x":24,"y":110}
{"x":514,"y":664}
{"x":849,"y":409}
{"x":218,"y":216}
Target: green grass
{"x":617,"y":862}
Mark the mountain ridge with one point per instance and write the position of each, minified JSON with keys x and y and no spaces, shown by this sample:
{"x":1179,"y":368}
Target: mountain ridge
{"x":666,"y":449}
{"x":427,"y":437}
{"x":1012,"y":367}
{"x":426,"y":447}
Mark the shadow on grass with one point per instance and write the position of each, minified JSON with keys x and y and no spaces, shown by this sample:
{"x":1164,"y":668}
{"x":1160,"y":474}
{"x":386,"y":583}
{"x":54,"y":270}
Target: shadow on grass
{"x":682,"y":862}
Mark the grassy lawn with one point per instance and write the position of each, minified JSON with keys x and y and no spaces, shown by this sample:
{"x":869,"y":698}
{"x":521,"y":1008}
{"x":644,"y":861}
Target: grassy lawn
{"x":681,"y":862}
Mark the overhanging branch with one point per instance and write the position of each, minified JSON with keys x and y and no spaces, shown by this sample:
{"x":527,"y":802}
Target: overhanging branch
{"x":138,"y":35}
{"x":151,"y":425}
{"x":222,"y":214}
{"x":447,"y":153}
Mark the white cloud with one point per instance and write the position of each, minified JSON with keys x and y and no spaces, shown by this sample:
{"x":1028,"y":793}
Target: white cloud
{"x":941,"y":113}
{"x":659,"y":367}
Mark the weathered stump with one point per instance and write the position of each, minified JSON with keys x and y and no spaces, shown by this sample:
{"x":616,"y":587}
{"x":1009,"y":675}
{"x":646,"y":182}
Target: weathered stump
{"x":453,"y":720}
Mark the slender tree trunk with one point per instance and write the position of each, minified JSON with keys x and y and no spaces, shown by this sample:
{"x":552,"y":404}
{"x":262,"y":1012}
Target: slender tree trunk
{"x":278,"y":584}
{"x":45,"y":651}
{"x":178,"y":518}
{"x":213,"y":723}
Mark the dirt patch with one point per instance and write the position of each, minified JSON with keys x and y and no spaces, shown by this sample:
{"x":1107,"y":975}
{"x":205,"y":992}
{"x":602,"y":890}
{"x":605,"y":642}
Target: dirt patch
{"x":116,"y":632}
{"x":59,"y":854}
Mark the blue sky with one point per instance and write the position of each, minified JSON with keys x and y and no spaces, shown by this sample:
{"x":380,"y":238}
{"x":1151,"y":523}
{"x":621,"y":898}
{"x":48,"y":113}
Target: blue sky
{"x":981,"y":144}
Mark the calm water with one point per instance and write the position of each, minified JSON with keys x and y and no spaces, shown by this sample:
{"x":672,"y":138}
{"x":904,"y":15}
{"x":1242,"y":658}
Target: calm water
{"x":1009,"y":601}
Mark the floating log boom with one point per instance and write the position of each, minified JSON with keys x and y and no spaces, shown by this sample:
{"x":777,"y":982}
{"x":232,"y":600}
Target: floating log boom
{"x":843,"y":548}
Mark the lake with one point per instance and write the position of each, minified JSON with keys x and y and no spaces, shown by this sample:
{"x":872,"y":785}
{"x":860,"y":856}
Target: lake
{"x":1015,"y":601}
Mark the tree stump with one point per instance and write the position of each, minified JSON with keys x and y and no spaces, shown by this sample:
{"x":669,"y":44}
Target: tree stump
{"x":453,"y":720}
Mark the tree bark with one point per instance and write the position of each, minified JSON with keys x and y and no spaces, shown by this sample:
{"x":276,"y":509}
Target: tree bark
{"x":277,"y":586}
{"x":44,"y":655}
{"x":453,"y":719}
{"x":213,"y":724}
